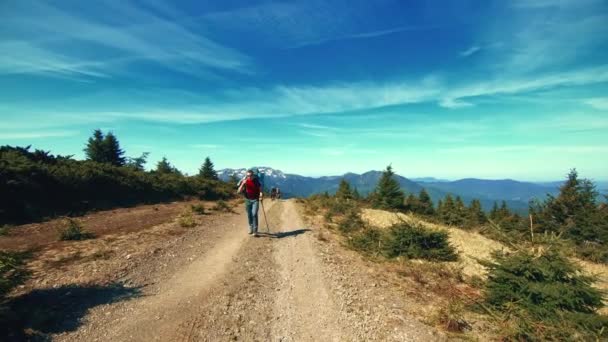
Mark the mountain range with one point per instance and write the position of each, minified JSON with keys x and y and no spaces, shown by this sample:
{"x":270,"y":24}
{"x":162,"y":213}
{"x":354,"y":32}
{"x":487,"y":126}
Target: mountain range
{"x":517,"y":194}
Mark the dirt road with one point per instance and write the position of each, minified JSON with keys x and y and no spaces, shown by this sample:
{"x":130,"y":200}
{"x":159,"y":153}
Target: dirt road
{"x":221,"y":284}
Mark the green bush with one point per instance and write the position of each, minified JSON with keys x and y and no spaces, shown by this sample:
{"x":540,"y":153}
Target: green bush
{"x":417,"y":242}
{"x":73,"y":231}
{"x":36,"y":185}
{"x":198,"y":209}
{"x":544,"y":297}
{"x":369,"y":241}
{"x":5,"y":229}
{"x":186,"y":220}
{"x":222,"y":206}
{"x":12,"y":271}
{"x":351,"y":222}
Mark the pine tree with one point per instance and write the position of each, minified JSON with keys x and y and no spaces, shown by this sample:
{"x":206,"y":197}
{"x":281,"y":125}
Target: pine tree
{"x":388,"y":194}
{"x":426,"y":204}
{"x":207,"y":171}
{"x":111,"y":149}
{"x":164,"y":167}
{"x":460,"y":212}
{"x":356,"y":195}
{"x":476,"y":215}
{"x":494,"y":212}
{"x":344,"y":192}
{"x":439,"y":209}
{"x":575,"y":212}
{"x":139,"y":162}
{"x":504,"y":211}
{"x":411,"y":204}
{"x":447,"y":210}
{"x":95,"y":147}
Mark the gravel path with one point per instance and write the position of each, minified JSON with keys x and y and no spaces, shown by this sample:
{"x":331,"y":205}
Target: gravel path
{"x":220,"y":284}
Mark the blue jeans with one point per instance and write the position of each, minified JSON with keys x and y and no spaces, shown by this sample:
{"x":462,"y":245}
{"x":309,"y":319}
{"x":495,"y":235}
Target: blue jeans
{"x":252,"y":207}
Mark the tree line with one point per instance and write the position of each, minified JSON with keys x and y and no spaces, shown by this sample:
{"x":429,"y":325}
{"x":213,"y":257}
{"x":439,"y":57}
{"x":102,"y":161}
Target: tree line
{"x":574,"y":214}
{"x":37,"y":184}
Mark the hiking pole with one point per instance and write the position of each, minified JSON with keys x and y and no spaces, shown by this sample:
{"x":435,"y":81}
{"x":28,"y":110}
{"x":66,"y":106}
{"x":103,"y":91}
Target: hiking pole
{"x":265,"y":219}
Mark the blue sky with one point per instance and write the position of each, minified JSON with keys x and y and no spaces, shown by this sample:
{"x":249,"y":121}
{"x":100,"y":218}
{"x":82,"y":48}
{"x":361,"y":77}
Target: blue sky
{"x":451,"y":89}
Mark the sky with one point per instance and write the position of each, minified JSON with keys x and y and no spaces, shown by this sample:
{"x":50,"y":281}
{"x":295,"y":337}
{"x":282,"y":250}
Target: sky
{"x":450,"y":89}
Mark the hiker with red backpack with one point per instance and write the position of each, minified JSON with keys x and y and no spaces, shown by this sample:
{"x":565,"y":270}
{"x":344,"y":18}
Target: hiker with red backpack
{"x":251,"y":188}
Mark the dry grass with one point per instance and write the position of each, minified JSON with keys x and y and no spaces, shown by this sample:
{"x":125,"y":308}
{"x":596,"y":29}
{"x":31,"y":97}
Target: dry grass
{"x":471,"y":246}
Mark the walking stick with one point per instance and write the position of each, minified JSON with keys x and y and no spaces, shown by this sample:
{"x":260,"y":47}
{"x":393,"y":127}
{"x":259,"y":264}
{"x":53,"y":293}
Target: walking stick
{"x":265,"y":219}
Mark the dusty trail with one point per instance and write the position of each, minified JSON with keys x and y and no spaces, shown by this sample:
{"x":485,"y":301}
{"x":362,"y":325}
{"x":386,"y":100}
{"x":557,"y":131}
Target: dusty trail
{"x":305,"y":308}
{"x":279,"y":287}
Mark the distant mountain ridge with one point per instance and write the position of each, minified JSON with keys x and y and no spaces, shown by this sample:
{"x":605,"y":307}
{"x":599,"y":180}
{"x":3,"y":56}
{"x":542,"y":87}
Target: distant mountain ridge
{"x":517,"y":194}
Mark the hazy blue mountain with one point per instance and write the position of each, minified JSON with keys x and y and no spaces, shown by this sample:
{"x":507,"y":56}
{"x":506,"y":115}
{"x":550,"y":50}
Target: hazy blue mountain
{"x":504,"y":189}
{"x":516,"y":194}
{"x":428,"y":180}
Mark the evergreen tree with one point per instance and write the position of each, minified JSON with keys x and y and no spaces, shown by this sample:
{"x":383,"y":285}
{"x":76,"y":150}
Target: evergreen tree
{"x":344,"y":192}
{"x":356,"y":195}
{"x":139,"y":162}
{"x":476,"y":215}
{"x":494,"y":212}
{"x":388,"y":194}
{"x":504,"y":212}
{"x":411,"y":204}
{"x":95,"y":147}
{"x":439,"y":208}
{"x":164,"y":167}
{"x":452,"y":211}
{"x":460,"y":212}
{"x":207,"y":170}
{"x":575,"y":212}
{"x":425,"y":203}
{"x":112,"y":151}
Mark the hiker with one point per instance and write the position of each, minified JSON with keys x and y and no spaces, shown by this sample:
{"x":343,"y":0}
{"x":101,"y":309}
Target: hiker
{"x":278,"y":194}
{"x":273,"y":193}
{"x":251,"y":188}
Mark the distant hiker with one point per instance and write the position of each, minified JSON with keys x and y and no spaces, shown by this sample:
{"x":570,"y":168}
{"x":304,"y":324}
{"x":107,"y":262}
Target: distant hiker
{"x":251,"y":188}
{"x":278,"y":194}
{"x":273,"y":193}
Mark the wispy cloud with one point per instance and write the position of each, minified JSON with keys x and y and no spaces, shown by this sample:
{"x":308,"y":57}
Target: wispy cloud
{"x":360,"y":35}
{"x":37,"y":135}
{"x":542,"y":35}
{"x":600,"y":103}
{"x":470,"y":51}
{"x":590,"y":149}
{"x":101,"y":45}
{"x":518,"y":85}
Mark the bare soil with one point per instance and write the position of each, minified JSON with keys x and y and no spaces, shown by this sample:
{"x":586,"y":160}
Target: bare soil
{"x":145,"y":278}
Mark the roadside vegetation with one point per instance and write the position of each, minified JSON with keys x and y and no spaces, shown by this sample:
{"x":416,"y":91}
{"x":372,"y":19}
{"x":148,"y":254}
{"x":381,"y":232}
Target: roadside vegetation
{"x":37,"y":185}
{"x":532,"y":291}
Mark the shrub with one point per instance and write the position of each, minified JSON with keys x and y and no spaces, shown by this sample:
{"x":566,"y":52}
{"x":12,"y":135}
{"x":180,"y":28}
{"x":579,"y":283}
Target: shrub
{"x":198,"y":209}
{"x":416,"y":242}
{"x":11,"y":271}
{"x":544,"y":297}
{"x":5,"y":229}
{"x":351,"y":222}
{"x":222,"y":206}
{"x":369,"y":241}
{"x":73,"y":230}
{"x":451,"y":317}
{"x":186,"y":220}
{"x":35,"y":185}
